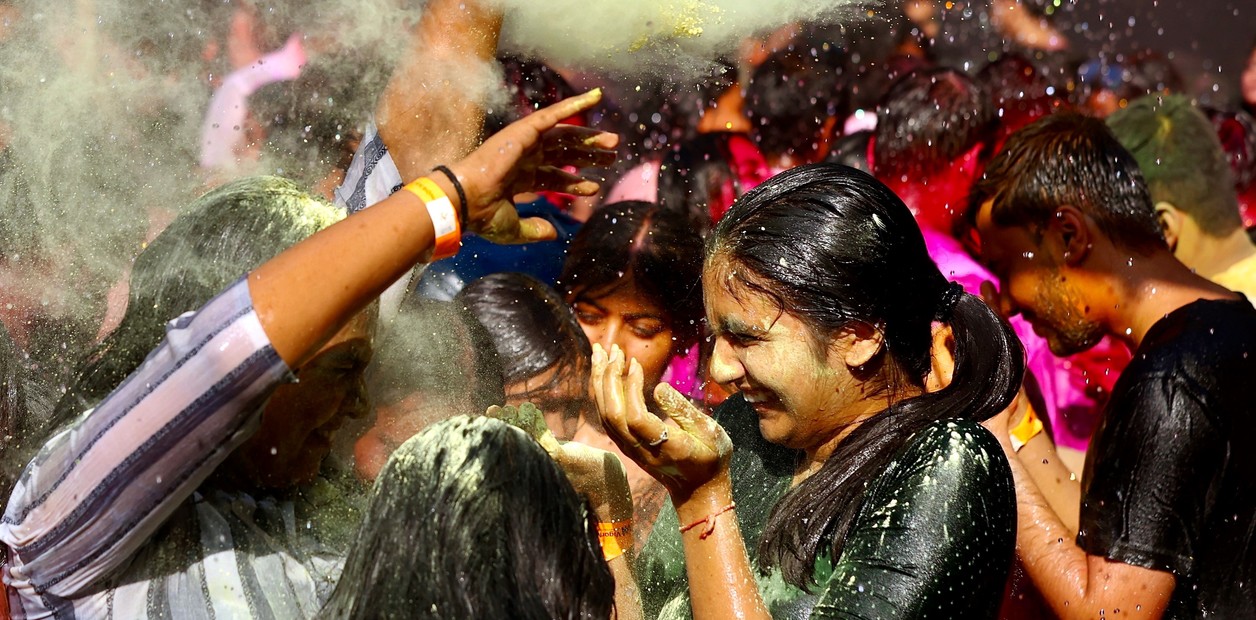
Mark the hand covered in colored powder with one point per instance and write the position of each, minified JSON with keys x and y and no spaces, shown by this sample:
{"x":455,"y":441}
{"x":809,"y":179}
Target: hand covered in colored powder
{"x":687,"y":451}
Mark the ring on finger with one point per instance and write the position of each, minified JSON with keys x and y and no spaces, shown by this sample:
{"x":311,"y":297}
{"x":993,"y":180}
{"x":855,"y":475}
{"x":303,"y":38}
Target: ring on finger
{"x":660,"y":441}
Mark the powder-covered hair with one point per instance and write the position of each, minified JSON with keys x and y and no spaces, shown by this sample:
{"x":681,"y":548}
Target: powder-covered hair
{"x":216,"y":240}
{"x":471,"y":519}
{"x":1181,"y":158}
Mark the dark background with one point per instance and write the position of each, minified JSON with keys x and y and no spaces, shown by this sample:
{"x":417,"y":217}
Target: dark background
{"x":1208,"y":40}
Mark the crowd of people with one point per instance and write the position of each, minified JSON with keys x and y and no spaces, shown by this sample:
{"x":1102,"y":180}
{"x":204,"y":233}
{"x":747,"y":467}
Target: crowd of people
{"x":922,"y":315}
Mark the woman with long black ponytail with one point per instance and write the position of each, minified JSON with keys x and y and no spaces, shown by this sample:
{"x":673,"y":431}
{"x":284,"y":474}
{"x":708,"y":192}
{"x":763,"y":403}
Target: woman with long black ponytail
{"x":869,"y":487}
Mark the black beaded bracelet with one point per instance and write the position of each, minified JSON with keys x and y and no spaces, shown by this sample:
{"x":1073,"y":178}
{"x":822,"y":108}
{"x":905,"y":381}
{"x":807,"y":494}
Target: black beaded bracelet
{"x":462,"y":194}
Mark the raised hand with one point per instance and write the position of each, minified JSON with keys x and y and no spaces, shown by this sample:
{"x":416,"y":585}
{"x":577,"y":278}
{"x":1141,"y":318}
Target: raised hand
{"x":597,"y":474}
{"x":683,"y":453}
{"x":529,"y":155}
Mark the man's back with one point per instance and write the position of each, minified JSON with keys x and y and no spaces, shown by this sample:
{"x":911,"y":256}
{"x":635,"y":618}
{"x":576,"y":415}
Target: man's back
{"x":1169,"y":484}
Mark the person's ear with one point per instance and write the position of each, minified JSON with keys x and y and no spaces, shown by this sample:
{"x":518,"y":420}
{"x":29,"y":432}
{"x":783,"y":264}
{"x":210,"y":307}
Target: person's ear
{"x":1170,"y":219}
{"x":1073,"y":230}
{"x":858,"y":343}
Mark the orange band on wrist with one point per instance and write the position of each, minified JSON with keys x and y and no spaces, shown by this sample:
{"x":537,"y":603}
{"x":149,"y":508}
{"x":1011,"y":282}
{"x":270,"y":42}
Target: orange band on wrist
{"x":1028,"y":428}
{"x":444,"y":217}
{"x":615,"y":537}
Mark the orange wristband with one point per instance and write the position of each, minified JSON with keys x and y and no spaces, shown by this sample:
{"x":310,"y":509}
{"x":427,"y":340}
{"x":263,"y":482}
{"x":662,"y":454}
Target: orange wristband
{"x":444,"y":217}
{"x":1028,"y":428}
{"x":615,"y":537}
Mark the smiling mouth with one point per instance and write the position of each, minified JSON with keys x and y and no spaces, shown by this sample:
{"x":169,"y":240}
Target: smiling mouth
{"x":760,"y":401}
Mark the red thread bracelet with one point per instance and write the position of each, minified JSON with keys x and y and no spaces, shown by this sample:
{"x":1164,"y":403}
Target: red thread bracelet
{"x":709,"y":520}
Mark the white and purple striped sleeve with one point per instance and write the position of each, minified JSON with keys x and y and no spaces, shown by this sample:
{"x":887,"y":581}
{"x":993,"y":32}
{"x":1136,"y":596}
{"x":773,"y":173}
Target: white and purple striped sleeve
{"x":97,"y":491}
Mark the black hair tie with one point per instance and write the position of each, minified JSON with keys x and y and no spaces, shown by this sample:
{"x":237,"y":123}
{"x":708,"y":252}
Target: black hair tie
{"x":950,"y":296}
{"x":462,"y":195}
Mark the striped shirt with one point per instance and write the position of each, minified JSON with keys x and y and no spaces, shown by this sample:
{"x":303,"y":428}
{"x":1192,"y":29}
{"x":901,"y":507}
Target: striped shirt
{"x":112,"y":519}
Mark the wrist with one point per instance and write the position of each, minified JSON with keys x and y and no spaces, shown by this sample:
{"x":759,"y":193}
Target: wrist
{"x":1028,"y":427}
{"x":446,"y":231}
{"x":704,"y":500}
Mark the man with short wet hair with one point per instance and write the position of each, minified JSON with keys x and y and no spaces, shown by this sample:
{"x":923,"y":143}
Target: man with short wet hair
{"x":1168,"y":497}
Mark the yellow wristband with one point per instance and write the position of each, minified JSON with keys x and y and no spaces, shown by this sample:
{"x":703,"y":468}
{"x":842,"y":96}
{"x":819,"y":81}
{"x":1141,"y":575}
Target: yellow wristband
{"x":444,"y":217}
{"x":615,"y":537}
{"x":1028,"y":428}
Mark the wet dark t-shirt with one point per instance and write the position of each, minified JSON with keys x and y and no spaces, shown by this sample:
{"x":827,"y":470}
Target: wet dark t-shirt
{"x":1170,"y":479}
{"x":934,"y":537}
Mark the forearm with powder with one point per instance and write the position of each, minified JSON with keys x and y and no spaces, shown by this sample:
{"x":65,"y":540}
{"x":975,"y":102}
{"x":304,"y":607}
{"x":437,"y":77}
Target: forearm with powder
{"x":432,"y":111}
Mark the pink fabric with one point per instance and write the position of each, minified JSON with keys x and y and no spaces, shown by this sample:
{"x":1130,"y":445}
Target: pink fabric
{"x":1073,"y":388}
{"x":224,"y":120}
{"x":684,"y":375}
{"x":639,"y":183}
{"x":750,"y":168}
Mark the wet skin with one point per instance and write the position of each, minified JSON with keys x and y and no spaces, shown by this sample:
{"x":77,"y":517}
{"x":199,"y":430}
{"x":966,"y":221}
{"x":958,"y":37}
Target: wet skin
{"x":803,"y":391}
{"x":626,"y":318}
{"x":1035,"y":284}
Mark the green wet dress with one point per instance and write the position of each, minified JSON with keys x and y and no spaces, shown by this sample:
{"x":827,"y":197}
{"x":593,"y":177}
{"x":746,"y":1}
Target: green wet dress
{"x":935,"y":536}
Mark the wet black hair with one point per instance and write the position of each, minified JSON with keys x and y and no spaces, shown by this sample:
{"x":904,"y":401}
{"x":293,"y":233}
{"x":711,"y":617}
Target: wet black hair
{"x":1068,"y":158}
{"x":532,"y":328}
{"x":657,"y":248}
{"x":929,"y":118}
{"x":471,"y":519}
{"x":789,"y":98}
{"x":833,"y":247}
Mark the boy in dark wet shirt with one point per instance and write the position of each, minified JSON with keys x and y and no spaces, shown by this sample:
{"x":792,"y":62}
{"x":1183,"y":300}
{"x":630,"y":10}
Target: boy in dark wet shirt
{"x":1168,"y":497}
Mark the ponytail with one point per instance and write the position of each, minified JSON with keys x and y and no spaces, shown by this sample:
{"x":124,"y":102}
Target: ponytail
{"x":989,"y":366}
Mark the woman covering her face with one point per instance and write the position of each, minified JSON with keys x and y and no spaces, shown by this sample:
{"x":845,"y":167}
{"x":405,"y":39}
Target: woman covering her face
{"x":633,"y":278}
{"x":861,"y":483}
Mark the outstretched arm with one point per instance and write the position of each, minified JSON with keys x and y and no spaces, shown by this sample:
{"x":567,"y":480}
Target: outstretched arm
{"x":87,"y":504}
{"x":305,"y":294}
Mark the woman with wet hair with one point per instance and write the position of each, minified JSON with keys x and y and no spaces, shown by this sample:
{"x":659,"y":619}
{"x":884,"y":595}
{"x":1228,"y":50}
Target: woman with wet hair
{"x":543,"y":353}
{"x":472,"y":519}
{"x":633,"y":278}
{"x":862,"y":484}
